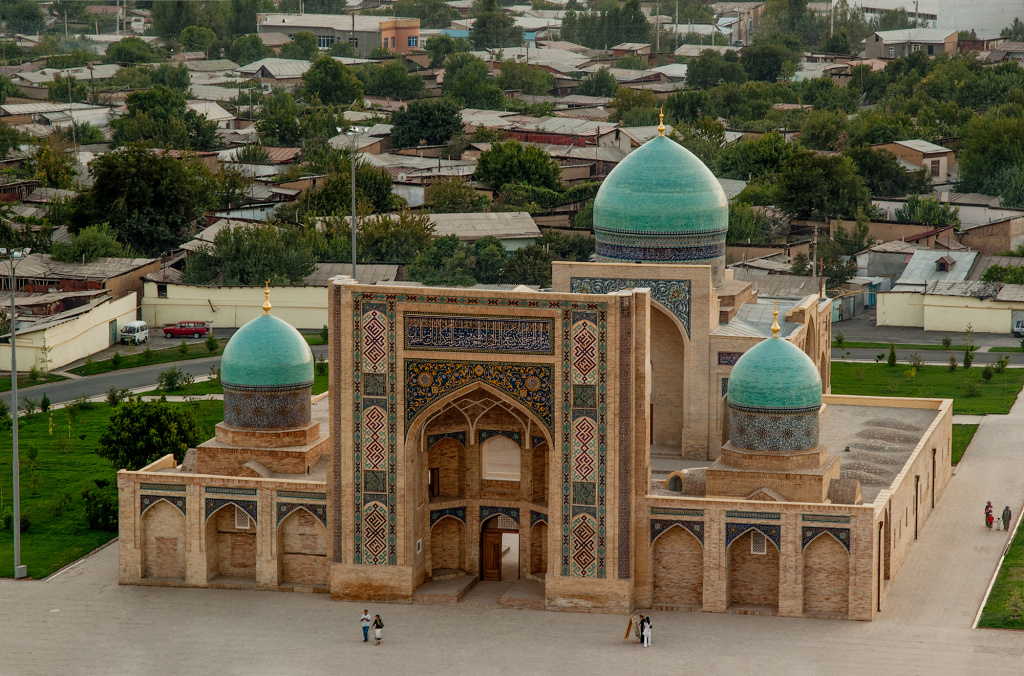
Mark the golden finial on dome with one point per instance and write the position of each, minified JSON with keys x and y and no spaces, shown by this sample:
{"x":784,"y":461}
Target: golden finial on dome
{"x":775,"y":323}
{"x":266,"y":303}
{"x":661,"y":121}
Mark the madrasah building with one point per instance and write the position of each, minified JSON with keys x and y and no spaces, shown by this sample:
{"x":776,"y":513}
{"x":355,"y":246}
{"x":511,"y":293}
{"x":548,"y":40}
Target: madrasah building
{"x":648,"y":433}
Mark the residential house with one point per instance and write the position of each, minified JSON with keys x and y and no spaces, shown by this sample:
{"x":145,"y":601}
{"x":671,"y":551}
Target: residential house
{"x":364,"y":33}
{"x":899,"y":43}
{"x":935,"y":158}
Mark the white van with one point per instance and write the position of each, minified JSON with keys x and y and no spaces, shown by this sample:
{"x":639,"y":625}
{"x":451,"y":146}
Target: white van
{"x":134,"y":333}
{"x":1018,"y":329}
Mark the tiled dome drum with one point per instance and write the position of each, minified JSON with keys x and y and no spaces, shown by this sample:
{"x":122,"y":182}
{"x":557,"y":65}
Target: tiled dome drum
{"x":662,"y":205}
{"x":267,"y":375}
{"x":774,"y":398}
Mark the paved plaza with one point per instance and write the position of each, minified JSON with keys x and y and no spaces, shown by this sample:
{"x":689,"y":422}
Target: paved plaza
{"x":81,"y":622}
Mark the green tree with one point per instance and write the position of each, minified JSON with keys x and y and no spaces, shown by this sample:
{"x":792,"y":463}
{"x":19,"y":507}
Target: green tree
{"x":89,"y":245}
{"x":490,"y":255}
{"x":373,"y":191}
{"x":837,"y":43}
{"x":434,"y":122}
{"x":196,"y":39}
{"x":170,"y":18}
{"x":55,"y":168}
{"x":895,"y":19}
{"x":710,"y":69}
{"x":278,"y":121}
{"x":927,"y":210}
{"x":243,"y":16}
{"x":855,"y":241}
{"x":440,"y":47}
{"x":448,"y":262}
{"x":704,"y":138}
{"x":452,"y":195}
{"x":1014,"y":31}
{"x":160,"y":117}
{"x":530,"y":265}
{"x":390,"y":80}
{"x":1007,"y":274}
{"x":325,"y":6}
{"x":627,"y":100}
{"x":331,"y":82}
{"x":512,"y":162}
{"x":62,"y":88}
{"x":825,"y":130}
{"x":141,"y":432}
{"x":431,"y":13}
{"x":303,"y":47}
{"x":467,"y":81}
{"x":10,"y":138}
{"x":884,"y":175}
{"x":755,"y":158}
{"x":129,"y":50}
{"x":600,"y":83}
{"x":750,"y":225}
{"x":395,"y":238}
{"x":493,"y":28}
{"x":133,"y":77}
{"x":7,"y":88}
{"x":765,"y":62}
{"x":836,"y":267}
{"x":816,"y":186}
{"x":173,"y":77}
{"x":251,"y":254}
{"x":151,"y":200}
{"x":524,"y":77}
{"x":342,"y":48}
{"x":231,"y":187}
{"x":991,"y":150}
{"x":23,"y":16}
{"x":248,"y":48}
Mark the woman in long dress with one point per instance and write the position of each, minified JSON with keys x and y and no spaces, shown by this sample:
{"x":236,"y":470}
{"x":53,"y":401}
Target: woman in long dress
{"x":647,"y":633}
{"x":377,"y":627}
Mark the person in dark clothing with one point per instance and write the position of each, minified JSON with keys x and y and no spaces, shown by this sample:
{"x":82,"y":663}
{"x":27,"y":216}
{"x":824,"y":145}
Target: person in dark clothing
{"x":1006,"y":518}
{"x":377,"y":626}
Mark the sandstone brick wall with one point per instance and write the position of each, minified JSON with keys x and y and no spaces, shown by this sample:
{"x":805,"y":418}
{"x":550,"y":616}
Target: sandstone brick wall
{"x":678,"y":562}
{"x":448,"y":544}
{"x":163,"y":554}
{"x":539,"y":471}
{"x":826,"y":577}
{"x":753,"y":578}
{"x":236,"y":548}
{"x":303,"y":549}
{"x":445,"y":455}
{"x":669,"y":391}
{"x":539,"y":549}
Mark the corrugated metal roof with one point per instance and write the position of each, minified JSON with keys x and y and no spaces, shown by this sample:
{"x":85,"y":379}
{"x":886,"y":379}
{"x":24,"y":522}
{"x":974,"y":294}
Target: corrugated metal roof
{"x":211,"y":93}
{"x":276,"y":68}
{"x":643,"y":134}
{"x":754,"y":320}
{"x":211,"y":65}
{"x":42,"y":266}
{"x":471,"y":227}
{"x":103,"y":71}
{"x":366,"y":273}
{"x":695,"y":50}
{"x":922,"y":267}
{"x":210,"y":110}
{"x":915,"y":35}
{"x":984,"y":262}
{"x":45,"y":107}
{"x":923,"y":146}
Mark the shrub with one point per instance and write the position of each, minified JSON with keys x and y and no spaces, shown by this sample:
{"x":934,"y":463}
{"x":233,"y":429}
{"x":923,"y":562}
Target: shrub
{"x":916,"y":361}
{"x":879,"y":357}
{"x":320,"y":364}
{"x":33,"y":373}
{"x":29,"y":406}
{"x":988,"y":372}
{"x":840,"y":339}
{"x":90,"y":365}
{"x":100,"y":509}
{"x":174,"y":379}
{"x":968,"y":358}
{"x":116,"y":359}
{"x":211,"y":343}
{"x":44,"y":403}
{"x":183,"y":348}
{"x":139,"y":432}
{"x":324,"y":333}
{"x":973,"y":389}
{"x":62,"y":504}
{"x":26,"y":522}
{"x":893,"y":385}
{"x":147,"y":354}
{"x":910,"y":373}
{"x":116,"y":396}
{"x":1002,"y":363}
{"x":892,"y":356}
{"x":947,"y":342}
{"x":82,"y":403}
{"x":953,"y":363}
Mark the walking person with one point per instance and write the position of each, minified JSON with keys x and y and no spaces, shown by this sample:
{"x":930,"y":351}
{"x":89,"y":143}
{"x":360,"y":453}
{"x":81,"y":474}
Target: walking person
{"x":365,"y":620}
{"x":988,"y":514}
{"x":647,"y":632}
{"x":377,"y":626}
{"x":1006,"y":518}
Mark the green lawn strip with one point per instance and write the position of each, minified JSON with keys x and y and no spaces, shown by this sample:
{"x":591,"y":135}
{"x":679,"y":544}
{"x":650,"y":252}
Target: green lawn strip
{"x":63,"y":466}
{"x":879,"y":380}
{"x":25,"y":381}
{"x":962,"y":435}
{"x":851,"y":345}
{"x":213,"y":387}
{"x":1005,"y":349}
{"x":1009,"y":581}
{"x":314,"y":339}
{"x":137,"y":357}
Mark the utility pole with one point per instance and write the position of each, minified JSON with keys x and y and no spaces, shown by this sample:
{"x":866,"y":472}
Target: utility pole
{"x":657,"y":29}
{"x":675,"y":24}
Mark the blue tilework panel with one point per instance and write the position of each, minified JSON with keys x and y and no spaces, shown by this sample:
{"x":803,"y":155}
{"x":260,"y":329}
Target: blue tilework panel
{"x":728,"y":358}
{"x":659,"y":526}
{"x":147,"y":501}
{"x":479,"y":333}
{"x":248,"y":506}
{"x":674,"y":295}
{"x":457,"y":436}
{"x":484,"y":435}
{"x":487,"y":512}
{"x":537,"y":516}
{"x":316,"y":509}
{"x":773,"y":431}
{"x":772,"y":532}
{"x":811,"y":532}
{"x":454,"y":512}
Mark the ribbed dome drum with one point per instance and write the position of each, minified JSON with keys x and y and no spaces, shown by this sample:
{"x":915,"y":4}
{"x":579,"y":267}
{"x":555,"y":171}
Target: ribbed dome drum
{"x":662,"y":205}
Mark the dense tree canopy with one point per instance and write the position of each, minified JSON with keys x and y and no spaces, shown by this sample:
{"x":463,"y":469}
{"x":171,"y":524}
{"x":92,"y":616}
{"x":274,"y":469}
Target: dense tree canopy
{"x":251,"y":254}
{"x":390,"y":80}
{"x":818,"y":186}
{"x":468,"y":81}
{"x":440,"y":47}
{"x":493,"y":28}
{"x":601,"y":83}
{"x":331,"y":82}
{"x":141,"y":432}
{"x":160,"y":117}
{"x":603,"y":28}
{"x":524,"y":77}
{"x":434,"y":122}
{"x":512,"y":162}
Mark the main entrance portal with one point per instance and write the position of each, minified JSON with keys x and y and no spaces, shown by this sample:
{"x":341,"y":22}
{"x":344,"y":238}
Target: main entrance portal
{"x":499,"y":550}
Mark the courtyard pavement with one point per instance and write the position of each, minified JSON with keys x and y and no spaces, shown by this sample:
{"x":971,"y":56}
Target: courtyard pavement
{"x":81,"y":622}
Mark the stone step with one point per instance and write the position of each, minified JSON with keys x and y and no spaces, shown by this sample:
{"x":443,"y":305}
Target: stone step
{"x":445,"y":592}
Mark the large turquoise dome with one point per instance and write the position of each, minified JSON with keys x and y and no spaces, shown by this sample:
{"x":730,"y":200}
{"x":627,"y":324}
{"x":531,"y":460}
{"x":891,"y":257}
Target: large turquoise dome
{"x":267,"y":352}
{"x":662,"y":205}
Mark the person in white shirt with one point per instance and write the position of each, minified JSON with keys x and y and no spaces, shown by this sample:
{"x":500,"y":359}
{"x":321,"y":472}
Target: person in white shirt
{"x":365,"y":619}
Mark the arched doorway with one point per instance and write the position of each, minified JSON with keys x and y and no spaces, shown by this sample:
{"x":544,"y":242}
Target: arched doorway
{"x":230,"y":544}
{"x":447,"y":547}
{"x":163,"y":535}
{"x":826,"y":577}
{"x":302,"y":549}
{"x":499,"y":549}
{"x":668,"y":379}
{"x":753,"y":571}
{"x":677,"y":559}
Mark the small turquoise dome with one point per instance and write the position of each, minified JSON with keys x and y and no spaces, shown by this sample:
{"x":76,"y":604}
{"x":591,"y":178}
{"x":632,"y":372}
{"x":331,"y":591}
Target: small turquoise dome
{"x":662,"y":205}
{"x":267,"y":352}
{"x":775,"y":374}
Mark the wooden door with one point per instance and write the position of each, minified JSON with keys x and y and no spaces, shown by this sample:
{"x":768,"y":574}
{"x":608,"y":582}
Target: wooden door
{"x":490,"y":556}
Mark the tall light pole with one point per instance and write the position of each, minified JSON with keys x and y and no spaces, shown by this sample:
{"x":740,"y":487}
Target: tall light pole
{"x":353,"y":133}
{"x":14,"y":256}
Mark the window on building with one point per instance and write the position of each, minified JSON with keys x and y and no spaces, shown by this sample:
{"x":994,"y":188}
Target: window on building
{"x":384,"y":44}
{"x":892,"y":52}
{"x":414,"y":41}
{"x":324,"y":41}
{"x":915,"y":48}
{"x":758,"y":543}
{"x":354,"y":42}
{"x":241,"y":518}
{"x":161,"y":291}
{"x":935,"y":167}
{"x":392,"y":42}
{"x":931,"y":49}
{"x":501,"y":459}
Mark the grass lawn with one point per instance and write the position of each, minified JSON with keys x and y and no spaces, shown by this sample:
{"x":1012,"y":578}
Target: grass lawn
{"x":137,"y":357}
{"x":962,"y":435}
{"x":24,"y":381}
{"x":212,"y":387}
{"x":314,"y":339}
{"x":1005,"y":349}
{"x":879,"y":380}
{"x":851,"y":345}
{"x":1008,"y":584}
{"x":63,"y":466}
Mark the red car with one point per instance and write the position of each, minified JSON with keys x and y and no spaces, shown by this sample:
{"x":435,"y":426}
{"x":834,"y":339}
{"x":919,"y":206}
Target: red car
{"x":194,"y":329}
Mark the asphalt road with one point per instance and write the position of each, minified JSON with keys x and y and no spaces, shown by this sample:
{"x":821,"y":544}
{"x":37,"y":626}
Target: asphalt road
{"x":69,"y":390}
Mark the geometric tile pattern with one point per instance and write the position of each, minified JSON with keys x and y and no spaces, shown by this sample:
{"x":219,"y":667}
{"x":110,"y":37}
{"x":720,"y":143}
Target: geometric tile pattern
{"x":659,"y":526}
{"x":759,"y":430}
{"x":537,"y":516}
{"x":484,"y":435}
{"x":825,"y":518}
{"x":454,"y":512}
{"x":584,"y":396}
{"x":673,"y":511}
{"x":248,"y":506}
{"x":218,"y":490}
{"x":811,"y":532}
{"x":457,"y":436}
{"x":488,"y":333}
{"x":734,"y":530}
{"x":147,"y":501}
{"x":376,"y":429}
{"x":429,"y":380}
{"x":767,"y":516}
{"x":625,"y":435}
{"x":725,"y":386}
{"x":267,"y":408}
{"x":286,"y":508}
{"x":674,"y":295}
{"x":696,"y":248}
{"x":584,"y":442}
{"x":177,"y":488}
{"x":486,"y":512}
{"x":728,"y":358}
{"x":302,"y":495}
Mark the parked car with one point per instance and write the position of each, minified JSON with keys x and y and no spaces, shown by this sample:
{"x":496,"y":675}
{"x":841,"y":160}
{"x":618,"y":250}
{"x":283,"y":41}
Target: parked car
{"x":134,"y":333}
{"x":194,"y":329}
{"x":1018,"y":329}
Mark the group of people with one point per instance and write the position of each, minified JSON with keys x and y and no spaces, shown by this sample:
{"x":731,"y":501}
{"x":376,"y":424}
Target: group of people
{"x":990,"y":518}
{"x":377,"y":625}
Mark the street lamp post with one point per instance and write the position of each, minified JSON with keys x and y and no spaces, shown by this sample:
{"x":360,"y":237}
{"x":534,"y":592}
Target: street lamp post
{"x":14,"y":256}
{"x":353,"y":133}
